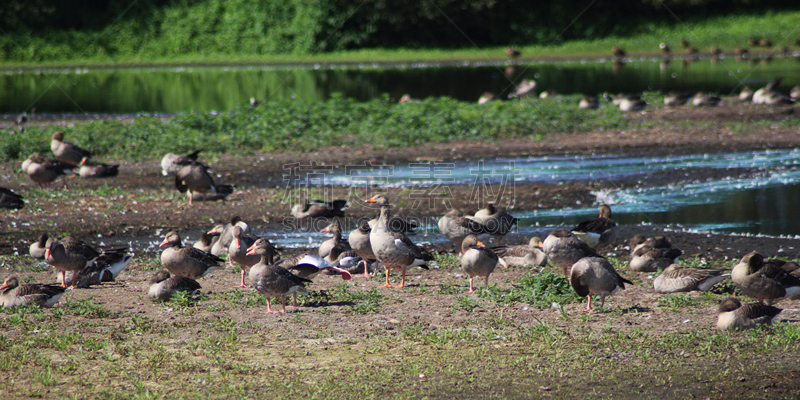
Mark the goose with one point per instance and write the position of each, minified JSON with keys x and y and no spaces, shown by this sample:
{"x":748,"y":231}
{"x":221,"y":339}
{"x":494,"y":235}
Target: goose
{"x":565,"y":249}
{"x":194,"y":180}
{"x":44,"y":171}
{"x":346,"y":259}
{"x":512,"y":52}
{"x":89,"y":169}
{"x":486,"y":97}
{"x":753,"y":41}
{"x":10,"y":200}
{"x":632,"y":104}
{"x":273,"y":280}
{"x":13,"y":294}
{"x":104,"y":268}
{"x":225,"y":235}
{"x":38,"y":248}
{"x":589,"y":102}
{"x":524,"y":89}
{"x":67,"y":152}
{"x":394,"y":250}
{"x":172,"y":163}
{"x":765,"y":43}
{"x":595,"y":275}
{"x":455,"y":227}
{"x":163,"y":286}
{"x":673,"y":99}
{"x":676,"y":279}
{"x":237,"y":251}
{"x":701,"y":100}
{"x":776,"y":99}
{"x":795,"y":93}
{"x":395,"y":224}
{"x":617,"y":52}
{"x":740,"y":51}
{"x":647,"y":258}
{"x":665,"y":50}
{"x":746,"y":94}
{"x":359,"y":242}
{"x":206,"y":242}
{"x":308,"y":266}
{"x":83,"y":265}
{"x":547,"y":93}
{"x":319,"y":209}
{"x":186,"y":261}
{"x":497,"y":222}
{"x":760,"y":95}
{"x":765,"y":282}
{"x":732,"y":314}
{"x":477,"y":260}
{"x":598,"y":232}
{"x":692,"y":51}
{"x":523,"y":255}
{"x":684,"y":43}
{"x":57,"y":255}
{"x":715,"y":51}
{"x":328,"y":244}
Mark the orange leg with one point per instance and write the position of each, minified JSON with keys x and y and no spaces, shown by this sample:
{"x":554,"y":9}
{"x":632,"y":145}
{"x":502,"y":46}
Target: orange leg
{"x":471,"y":290}
{"x":63,"y":279}
{"x":294,"y":300}
{"x":366,"y":269}
{"x":190,"y":197}
{"x":387,"y":277}
{"x":402,"y":279}
{"x":242,"y":284}
{"x":283,"y":305}
{"x":269,"y":307}
{"x":589,"y":308}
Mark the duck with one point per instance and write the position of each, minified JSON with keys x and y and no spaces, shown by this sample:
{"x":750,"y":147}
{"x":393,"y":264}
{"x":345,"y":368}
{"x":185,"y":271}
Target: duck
{"x":710,"y":100}
{"x":523,"y":255}
{"x":104,"y":268}
{"x":319,"y":209}
{"x":273,"y":280}
{"x":649,"y":257}
{"x":10,"y":200}
{"x":13,"y":294}
{"x":765,"y":282}
{"x":359,"y":242}
{"x":225,"y":234}
{"x":525,"y":88}
{"x":67,"y":152}
{"x":497,"y":222}
{"x":37,"y":249}
{"x":486,"y":97}
{"x":564,"y":249}
{"x":186,"y":261}
{"x":237,"y":251}
{"x":477,"y":260}
{"x":195,"y":181}
{"x":595,"y":275}
{"x":455,"y":227}
{"x":512,"y":52}
{"x":589,"y":102}
{"x":328,"y":244}
{"x":676,"y":278}
{"x":163,"y":286}
{"x":206,"y":242}
{"x":43,"y":171}
{"x":172,"y":163}
{"x":732,"y":314}
{"x":616,"y":51}
{"x":598,"y":232}
{"x":673,"y":99}
{"x":746,"y":94}
{"x":89,"y":169}
{"x":392,"y":249}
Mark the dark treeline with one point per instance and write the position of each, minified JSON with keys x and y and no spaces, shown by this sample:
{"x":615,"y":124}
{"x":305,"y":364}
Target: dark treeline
{"x":33,"y":30}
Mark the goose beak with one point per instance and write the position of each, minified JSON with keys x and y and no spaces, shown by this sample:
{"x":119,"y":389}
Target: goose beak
{"x":480,"y":244}
{"x":164,"y":243}
{"x":371,"y":200}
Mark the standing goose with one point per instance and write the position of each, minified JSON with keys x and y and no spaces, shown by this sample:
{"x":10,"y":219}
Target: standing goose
{"x":565,"y":249}
{"x":395,"y":224}
{"x":600,"y":231}
{"x":67,"y":152}
{"x":237,"y":251}
{"x":89,"y":169}
{"x":497,"y":222}
{"x":455,"y":227}
{"x":225,"y":233}
{"x":328,"y":244}
{"x":13,"y":294}
{"x":83,"y":265}
{"x":162,"y":286}
{"x":595,"y":275}
{"x":194,"y":180}
{"x":676,"y":279}
{"x":764,"y":281}
{"x":104,"y":268}
{"x":172,"y":163}
{"x":272,"y":280}
{"x":523,"y":255}
{"x":359,"y":242}
{"x":477,"y":260}
{"x":10,"y":200}
{"x":186,"y":261}
{"x":735,"y":315}
{"x":394,"y":250}
{"x":64,"y":261}
{"x":44,"y":171}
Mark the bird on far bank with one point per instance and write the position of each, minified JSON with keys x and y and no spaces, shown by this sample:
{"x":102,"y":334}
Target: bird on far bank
{"x":512,"y":52}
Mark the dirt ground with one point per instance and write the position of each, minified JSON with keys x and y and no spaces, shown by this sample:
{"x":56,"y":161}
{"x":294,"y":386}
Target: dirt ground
{"x":146,"y":206}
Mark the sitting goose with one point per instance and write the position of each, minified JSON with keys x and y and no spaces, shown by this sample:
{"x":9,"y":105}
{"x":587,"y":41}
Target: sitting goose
{"x":589,"y":102}
{"x":44,"y":171}
{"x":632,"y":104}
{"x":760,"y":95}
{"x":272,"y":280}
{"x":595,"y":275}
{"x":706,"y":100}
{"x":676,"y":279}
{"x":525,"y":88}
{"x":735,"y":315}
{"x":163,"y":286}
{"x":67,"y":152}
{"x":104,"y":268}
{"x":764,"y":281}
{"x":346,"y":259}
{"x":237,"y":251}
{"x":308,"y":266}
{"x":13,"y":294}
{"x":394,"y":250}
{"x":90,"y":169}
{"x":565,"y":249}
{"x":186,"y":261}
{"x":225,"y":234}
{"x":71,"y":255}
{"x":598,"y":232}
{"x":455,"y":227}
{"x":523,"y":255}
{"x":172,"y":163}
{"x":477,"y":260}
{"x":10,"y":200}
{"x":673,"y":99}
{"x":497,"y":222}
{"x":328,"y":244}
{"x":206,"y":242}
{"x":194,"y":180}
{"x":359,"y":242}
{"x":649,"y":257}
{"x":319,"y":209}
{"x":486,"y":97}
{"x":38,"y":248}
{"x":746,"y":94}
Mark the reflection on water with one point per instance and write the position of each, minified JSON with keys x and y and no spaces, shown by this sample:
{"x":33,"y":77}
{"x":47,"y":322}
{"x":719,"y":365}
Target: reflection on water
{"x":130,"y":90}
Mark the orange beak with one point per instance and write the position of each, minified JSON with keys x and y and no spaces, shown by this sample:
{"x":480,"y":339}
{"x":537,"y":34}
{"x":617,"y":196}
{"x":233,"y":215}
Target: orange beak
{"x":325,"y":230}
{"x":372,"y":200}
{"x":5,"y":285}
{"x":164,"y":243}
{"x":251,"y":251}
{"x":47,"y":253}
{"x":480,"y":244}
